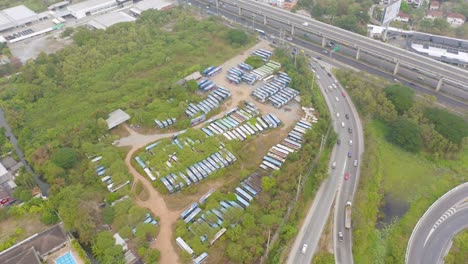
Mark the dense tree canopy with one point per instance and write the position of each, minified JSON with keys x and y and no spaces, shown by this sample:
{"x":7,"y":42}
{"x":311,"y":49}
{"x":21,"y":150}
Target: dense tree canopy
{"x":237,"y":36}
{"x":406,"y":134}
{"x":255,"y":61}
{"x":105,"y":250}
{"x":401,"y":96}
{"x":65,"y":158}
{"x":453,"y":127}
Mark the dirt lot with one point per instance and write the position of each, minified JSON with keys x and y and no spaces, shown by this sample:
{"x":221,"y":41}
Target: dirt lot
{"x":30,"y":49}
{"x":168,"y":208}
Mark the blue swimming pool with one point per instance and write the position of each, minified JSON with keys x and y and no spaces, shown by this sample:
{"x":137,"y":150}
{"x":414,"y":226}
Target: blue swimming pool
{"x":66,"y":259}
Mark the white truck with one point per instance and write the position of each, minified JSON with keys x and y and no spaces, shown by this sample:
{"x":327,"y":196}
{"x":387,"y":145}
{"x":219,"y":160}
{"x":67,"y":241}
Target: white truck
{"x":348,"y":215}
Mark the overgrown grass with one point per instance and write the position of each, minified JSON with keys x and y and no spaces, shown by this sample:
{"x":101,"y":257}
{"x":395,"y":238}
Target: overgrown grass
{"x":406,"y":178}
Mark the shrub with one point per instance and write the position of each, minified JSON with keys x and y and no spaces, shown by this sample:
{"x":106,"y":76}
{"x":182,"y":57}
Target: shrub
{"x":452,"y":127}
{"x":405,"y":134}
{"x":401,"y":96}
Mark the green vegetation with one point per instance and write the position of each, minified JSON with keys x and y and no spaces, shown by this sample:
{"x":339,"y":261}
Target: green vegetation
{"x":350,"y":15}
{"x":324,"y":258}
{"x":458,"y":250}
{"x":453,"y":127}
{"x":105,"y":250}
{"x":237,"y":37}
{"x":35,"y":5}
{"x":67,"y":32}
{"x":5,"y":145}
{"x":255,"y":61}
{"x":406,"y":134}
{"x":58,"y":105}
{"x":390,"y":176}
{"x":401,"y":96}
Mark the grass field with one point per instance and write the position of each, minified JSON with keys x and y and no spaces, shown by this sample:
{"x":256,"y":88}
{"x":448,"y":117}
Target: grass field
{"x":411,"y":183}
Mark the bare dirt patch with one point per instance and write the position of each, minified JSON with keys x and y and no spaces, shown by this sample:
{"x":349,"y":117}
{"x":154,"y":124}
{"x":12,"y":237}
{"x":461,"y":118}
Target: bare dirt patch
{"x":29,"y":226}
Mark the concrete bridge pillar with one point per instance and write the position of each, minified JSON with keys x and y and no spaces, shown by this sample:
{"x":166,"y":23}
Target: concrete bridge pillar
{"x":292,"y":29}
{"x":439,"y":83}
{"x":264,"y":20}
{"x":358,"y":53}
{"x":240,"y":11}
{"x":324,"y":41}
{"x":397,"y":67}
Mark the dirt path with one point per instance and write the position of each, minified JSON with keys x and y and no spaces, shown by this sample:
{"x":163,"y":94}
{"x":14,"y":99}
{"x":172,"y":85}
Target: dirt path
{"x":289,"y":114}
{"x":156,"y":204}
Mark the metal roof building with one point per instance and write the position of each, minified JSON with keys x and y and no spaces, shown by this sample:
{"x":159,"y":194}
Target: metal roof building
{"x":116,"y":118}
{"x":91,"y":7}
{"x":16,"y":16}
{"x":109,"y":19}
{"x":150,"y":4}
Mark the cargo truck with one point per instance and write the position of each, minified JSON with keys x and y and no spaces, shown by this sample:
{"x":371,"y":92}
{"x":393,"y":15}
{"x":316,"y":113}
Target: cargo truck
{"x":348,"y":215}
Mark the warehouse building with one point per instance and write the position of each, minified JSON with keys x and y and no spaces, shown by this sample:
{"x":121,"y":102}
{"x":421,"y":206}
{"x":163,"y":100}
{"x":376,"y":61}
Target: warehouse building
{"x":91,"y":7}
{"x":16,"y":17}
{"x":150,"y":4}
{"x":116,"y":118}
{"x":109,"y":19}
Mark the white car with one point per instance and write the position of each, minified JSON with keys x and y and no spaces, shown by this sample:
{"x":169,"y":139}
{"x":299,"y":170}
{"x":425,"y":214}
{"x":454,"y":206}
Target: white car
{"x":337,"y":114}
{"x":305,"y":24}
{"x":318,"y":77}
{"x":350,"y":142}
{"x":342,"y":124}
{"x":289,"y":38}
{"x":334,"y":165}
{"x":336,"y":81}
{"x":337,"y":99}
{"x":355,"y":163}
{"x":329,"y":87}
{"x":334,"y":86}
{"x":304,"y":248}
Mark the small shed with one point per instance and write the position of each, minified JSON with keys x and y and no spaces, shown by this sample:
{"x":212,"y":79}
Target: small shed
{"x":116,"y":118}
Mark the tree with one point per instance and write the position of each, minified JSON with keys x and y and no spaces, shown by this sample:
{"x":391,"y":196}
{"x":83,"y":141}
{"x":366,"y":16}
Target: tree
{"x":268,"y":184}
{"x":452,"y":127}
{"x":105,"y":250}
{"x":254,"y":61}
{"x":401,"y":96}
{"x":65,"y":157}
{"x":406,"y":134}
{"x":237,"y":36}
{"x":405,"y":7}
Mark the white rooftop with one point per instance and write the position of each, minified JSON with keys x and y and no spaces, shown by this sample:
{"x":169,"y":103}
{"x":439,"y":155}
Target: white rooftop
{"x":3,"y":170}
{"x":18,"y":12}
{"x":152,"y":4}
{"x":116,"y":118}
{"x":439,"y":52}
{"x":106,"y":20}
{"x":88,"y":4}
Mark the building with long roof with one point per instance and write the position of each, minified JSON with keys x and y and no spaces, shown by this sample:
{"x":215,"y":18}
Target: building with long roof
{"x":16,"y":17}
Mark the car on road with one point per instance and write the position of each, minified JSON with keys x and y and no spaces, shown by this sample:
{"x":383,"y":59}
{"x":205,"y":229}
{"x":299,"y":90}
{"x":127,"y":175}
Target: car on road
{"x":304,"y":248}
{"x":334,"y":164}
{"x":334,"y":86}
{"x":396,"y":80}
{"x":342,"y":124}
{"x":329,"y":87}
{"x":337,"y":114}
{"x":346,"y":116}
{"x":338,"y":141}
{"x":340,"y":236}
{"x":346,"y":176}
{"x":350,"y":130}
{"x":336,"y":81}
{"x":355,"y":163}
{"x":319,"y":58}
{"x":318,"y":77}
{"x":329,"y":74}
{"x":421,"y":78}
{"x":337,"y":99}
{"x":349,"y":154}
{"x":325,"y":51}
{"x":305,"y":24}
{"x":350,"y":142}
{"x":289,"y":38}
{"x":343,"y":94}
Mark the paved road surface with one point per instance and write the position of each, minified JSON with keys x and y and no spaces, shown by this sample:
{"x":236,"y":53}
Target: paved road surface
{"x":442,"y":221}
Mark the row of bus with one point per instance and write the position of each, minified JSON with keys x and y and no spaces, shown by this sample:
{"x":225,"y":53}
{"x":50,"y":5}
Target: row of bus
{"x":210,"y":103}
{"x":176,"y":181}
{"x":206,"y":85}
{"x":212,"y":71}
{"x":266,"y":70}
{"x":267,"y":90}
{"x":283,"y":97}
{"x":277,"y":154}
{"x":264,"y":54}
{"x":237,"y":75}
{"x":231,"y":119}
{"x":249,"y":129}
{"x":165,"y":123}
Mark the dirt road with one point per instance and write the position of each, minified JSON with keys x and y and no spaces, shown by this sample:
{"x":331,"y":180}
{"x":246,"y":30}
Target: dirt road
{"x":156,"y":203}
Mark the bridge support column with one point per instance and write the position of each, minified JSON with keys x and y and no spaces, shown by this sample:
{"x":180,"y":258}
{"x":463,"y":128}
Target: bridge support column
{"x":439,"y":83}
{"x":240,"y":11}
{"x":264,"y":20}
{"x":324,"y":41}
{"x":292,"y":29}
{"x":397,"y":67}
{"x":358,"y":53}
